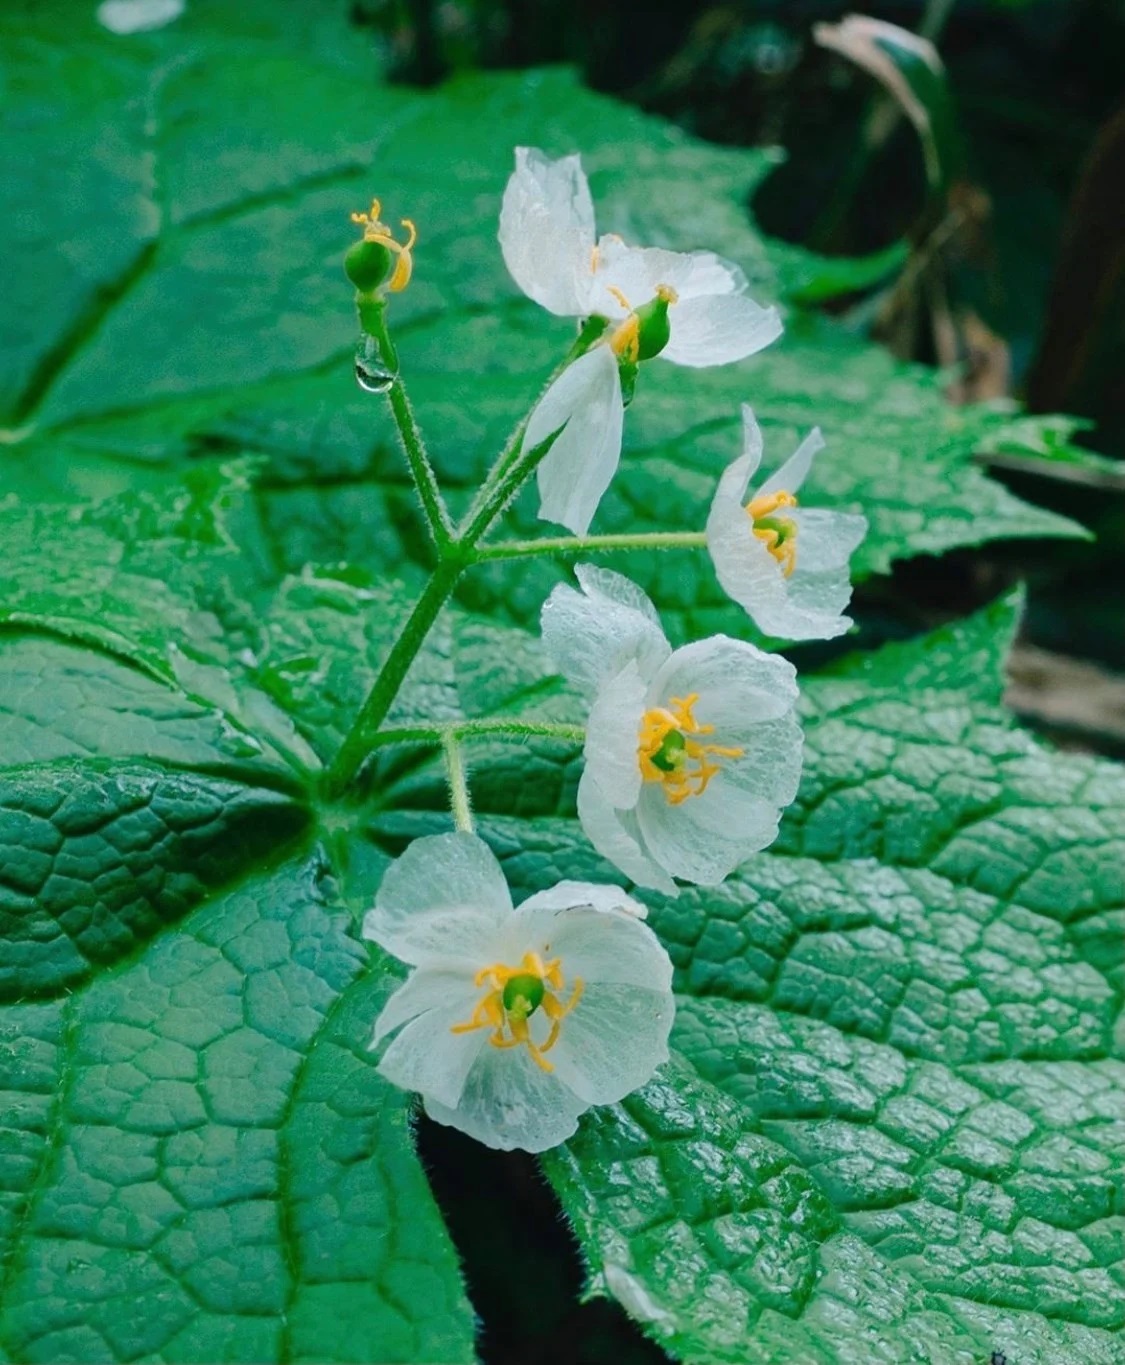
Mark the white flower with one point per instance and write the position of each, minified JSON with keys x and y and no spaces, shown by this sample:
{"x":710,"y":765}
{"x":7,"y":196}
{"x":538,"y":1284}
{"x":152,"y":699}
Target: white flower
{"x":691,"y":754}
{"x":690,"y":307}
{"x":514,"y":1022}
{"x":786,"y":565}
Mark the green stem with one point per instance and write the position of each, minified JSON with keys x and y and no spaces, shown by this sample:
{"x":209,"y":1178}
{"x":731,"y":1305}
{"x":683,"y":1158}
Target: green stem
{"x":492,"y":728}
{"x":458,"y":784}
{"x":359,"y":739}
{"x":656,"y":540}
{"x":373,"y":321}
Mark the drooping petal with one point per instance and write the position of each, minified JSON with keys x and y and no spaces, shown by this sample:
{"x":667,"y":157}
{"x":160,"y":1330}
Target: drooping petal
{"x":600,"y":896}
{"x":752,"y":445}
{"x":735,"y":682}
{"x":794,"y":471}
{"x":429,"y":1057}
{"x":444,"y":897}
{"x":591,"y":635}
{"x":638,"y":271}
{"x":508,"y":1102}
{"x":716,"y":329}
{"x":580,"y":466}
{"x":611,"y":736}
{"x":547,"y":231}
{"x":616,"y":836}
{"x":704,"y":838}
{"x":614,"y":1040}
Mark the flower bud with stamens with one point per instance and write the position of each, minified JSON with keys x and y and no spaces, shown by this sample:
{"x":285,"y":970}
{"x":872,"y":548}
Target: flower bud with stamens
{"x":377,"y":258}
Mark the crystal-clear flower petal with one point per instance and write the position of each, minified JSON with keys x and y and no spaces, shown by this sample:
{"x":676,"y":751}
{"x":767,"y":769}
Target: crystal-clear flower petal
{"x":547,"y":231}
{"x":616,"y":836}
{"x":735,"y":682}
{"x":427,"y":1056}
{"x":704,"y":838}
{"x":611,"y":736}
{"x":599,"y":896}
{"x":716,"y":329}
{"x":591,"y":635}
{"x":638,"y":271}
{"x":807,"y":604}
{"x":609,"y":946}
{"x":794,"y":471}
{"x":580,"y":466}
{"x":445,"y":897}
{"x":427,"y":988}
{"x":508,"y":1102}
{"x":614,"y":1040}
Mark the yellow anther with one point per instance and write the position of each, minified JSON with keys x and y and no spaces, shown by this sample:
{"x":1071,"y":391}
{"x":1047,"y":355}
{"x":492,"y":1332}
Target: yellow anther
{"x":669,"y":751}
{"x":514,"y":994}
{"x":667,"y":293}
{"x":626,"y":340}
{"x":376,"y":231}
{"x":777,"y":534}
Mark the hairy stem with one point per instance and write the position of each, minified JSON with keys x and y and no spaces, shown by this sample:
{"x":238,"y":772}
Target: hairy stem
{"x":459,"y":801}
{"x":373,"y":320}
{"x":492,"y":728}
{"x":656,"y":540}
{"x":358,"y":741}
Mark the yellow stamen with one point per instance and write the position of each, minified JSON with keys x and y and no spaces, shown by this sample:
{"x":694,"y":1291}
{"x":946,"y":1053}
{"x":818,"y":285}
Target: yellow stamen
{"x":777,"y":534}
{"x":509,"y":1023}
{"x":626,"y":340}
{"x":376,"y":231}
{"x":669,"y":751}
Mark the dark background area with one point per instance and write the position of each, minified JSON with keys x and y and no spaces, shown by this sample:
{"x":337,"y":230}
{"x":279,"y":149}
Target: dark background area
{"x":1015,"y":284}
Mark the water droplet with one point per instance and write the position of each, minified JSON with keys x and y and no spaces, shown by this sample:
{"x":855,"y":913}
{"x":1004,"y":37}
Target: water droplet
{"x":371,"y":374}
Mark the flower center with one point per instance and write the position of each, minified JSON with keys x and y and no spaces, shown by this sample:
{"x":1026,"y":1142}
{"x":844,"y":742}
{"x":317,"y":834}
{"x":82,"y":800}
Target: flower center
{"x":645,"y":332}
{"x":777,"y":534}
{"x":669,"y":750}
{"x":514,"y":996}
{"x":375,"y":231}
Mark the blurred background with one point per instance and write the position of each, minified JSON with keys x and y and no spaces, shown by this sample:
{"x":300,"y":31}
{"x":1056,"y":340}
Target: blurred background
{"x":998,"y":176}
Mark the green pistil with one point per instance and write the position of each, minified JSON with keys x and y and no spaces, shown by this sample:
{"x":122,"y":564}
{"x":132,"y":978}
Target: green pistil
{"x":522,"y":995}
{"x":671,"y":754}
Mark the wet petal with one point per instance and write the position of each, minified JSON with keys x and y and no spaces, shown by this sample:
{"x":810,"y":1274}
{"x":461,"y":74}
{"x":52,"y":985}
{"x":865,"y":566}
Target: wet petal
{"x":445,"y":897}
{"x":508,"y":1102}
{"x":601,"y":945}
{"x":617,"y":838}
{"x":716,"y":329}
{"x":793,"y":472}
{"x":600,"y":896}
{"x":615,"y":1039}
{"x":429,"y":1057}
{"x":580,"y":466}
{"x":611,"y":736}
{"x":592,"y":634}
{"x":637,"y":271}
{"x":547,"y":231}
{"x":736,"y":683}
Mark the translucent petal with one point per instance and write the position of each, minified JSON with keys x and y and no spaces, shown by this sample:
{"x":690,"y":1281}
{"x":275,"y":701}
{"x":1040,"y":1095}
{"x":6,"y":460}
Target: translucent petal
{"x":599,"y":896}
{"x":751,"y":451}
{"x":429,"y":1057}
{"x":580,"y":466}
{"x":426,"y":989}
{"x":614,"y":1040}
{"x":736,"y":683}
{"x":508,"y":1102}
{"x":591,"y":635}
{"x":600,"y":945}
{"x":794,"y":471}
{"x":547,"y":231}
{"x":808,"y":604}
{"x":616,"y":837}
{"x":637,"y":271}
{"x":611,"y":736}
{"x":704,"y":838}
{"x":445,"y":897}
{"x":716,"y":329}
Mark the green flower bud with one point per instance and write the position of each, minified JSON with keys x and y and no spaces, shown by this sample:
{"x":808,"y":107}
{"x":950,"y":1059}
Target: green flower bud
{"x":367,"y":264}
{"x":653,"y":327}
